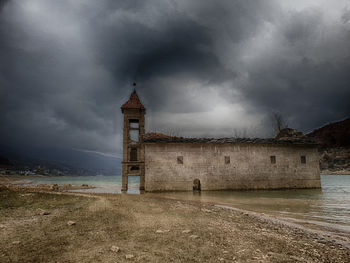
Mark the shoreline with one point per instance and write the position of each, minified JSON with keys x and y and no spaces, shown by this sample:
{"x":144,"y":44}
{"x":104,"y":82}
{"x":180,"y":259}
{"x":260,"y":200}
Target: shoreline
{"x":340,"y":172}
{"x":151,"y":228}
{"x":325,"y":232}
{"x":323,"y":236}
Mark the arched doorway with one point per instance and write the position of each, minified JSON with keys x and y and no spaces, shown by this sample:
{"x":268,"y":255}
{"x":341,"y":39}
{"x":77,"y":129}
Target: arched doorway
{"x":196,"y":185}
{"x":133,"y":184}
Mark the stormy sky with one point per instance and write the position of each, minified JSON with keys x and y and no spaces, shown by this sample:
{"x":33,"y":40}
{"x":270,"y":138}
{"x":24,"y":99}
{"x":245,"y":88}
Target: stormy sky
{"x":202,"y":68}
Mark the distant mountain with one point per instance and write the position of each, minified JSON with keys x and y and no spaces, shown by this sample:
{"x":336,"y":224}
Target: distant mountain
{"x":69,"y":161}
{"x":336,"y":134}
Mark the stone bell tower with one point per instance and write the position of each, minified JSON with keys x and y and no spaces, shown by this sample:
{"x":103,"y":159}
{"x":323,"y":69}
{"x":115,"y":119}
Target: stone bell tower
{"x":133,"y":149}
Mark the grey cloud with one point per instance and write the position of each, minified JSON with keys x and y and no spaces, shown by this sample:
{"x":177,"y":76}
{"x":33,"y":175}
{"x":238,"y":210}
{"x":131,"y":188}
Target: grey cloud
{"x":66,"y":67}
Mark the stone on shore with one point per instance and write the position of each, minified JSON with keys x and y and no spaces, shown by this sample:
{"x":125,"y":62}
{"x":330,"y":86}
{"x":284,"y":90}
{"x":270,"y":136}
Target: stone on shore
{"x":129,"y":256}
{"x":186,"y":231}
{"x":54,"y":187}
{"x":115,"y":249}
{"x":42,"y":212}
{"x":159,"y":231}
{"x":71,"y":223}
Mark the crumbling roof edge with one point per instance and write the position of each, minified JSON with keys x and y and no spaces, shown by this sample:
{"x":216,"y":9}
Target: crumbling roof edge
{"x":269,"y":141}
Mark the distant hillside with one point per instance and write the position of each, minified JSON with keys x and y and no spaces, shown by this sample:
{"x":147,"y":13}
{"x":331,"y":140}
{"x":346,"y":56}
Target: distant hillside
{"x":336,"y":134}
{"x":334,"y":140}
{"x":4,"y":161}
{"x":69,"y":161}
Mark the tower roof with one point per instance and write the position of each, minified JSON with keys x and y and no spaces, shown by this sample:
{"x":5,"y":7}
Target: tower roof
{"x":133,"y":103}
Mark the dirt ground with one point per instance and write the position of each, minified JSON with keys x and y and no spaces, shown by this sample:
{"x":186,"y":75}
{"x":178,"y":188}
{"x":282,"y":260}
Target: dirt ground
{"x":144,"y":228}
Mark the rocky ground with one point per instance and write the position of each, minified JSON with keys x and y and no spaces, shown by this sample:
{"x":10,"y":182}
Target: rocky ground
{"x":39,"y":226}
{"x":335,"y":160}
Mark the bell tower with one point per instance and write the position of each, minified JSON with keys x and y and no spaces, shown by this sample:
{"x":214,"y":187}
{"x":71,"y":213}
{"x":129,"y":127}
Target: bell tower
{"x":133,"y":149}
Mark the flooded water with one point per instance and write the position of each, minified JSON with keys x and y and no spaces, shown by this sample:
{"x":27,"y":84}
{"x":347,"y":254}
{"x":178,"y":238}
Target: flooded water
{"x":328,"y":207}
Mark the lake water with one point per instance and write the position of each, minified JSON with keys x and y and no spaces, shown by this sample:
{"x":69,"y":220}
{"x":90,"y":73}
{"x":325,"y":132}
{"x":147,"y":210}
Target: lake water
{"x":328,"y":207}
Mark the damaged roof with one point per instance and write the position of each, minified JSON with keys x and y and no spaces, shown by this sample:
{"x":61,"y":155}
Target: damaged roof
{"x":162,"y":138}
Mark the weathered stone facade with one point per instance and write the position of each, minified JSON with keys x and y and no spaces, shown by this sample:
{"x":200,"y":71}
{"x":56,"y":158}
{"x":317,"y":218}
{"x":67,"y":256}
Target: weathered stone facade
{"x":240,"y":166}
{"x":166,"y":163}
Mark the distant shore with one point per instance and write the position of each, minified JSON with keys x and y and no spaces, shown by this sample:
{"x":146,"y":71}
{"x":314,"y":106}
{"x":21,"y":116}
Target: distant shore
{"x":21,"y":181}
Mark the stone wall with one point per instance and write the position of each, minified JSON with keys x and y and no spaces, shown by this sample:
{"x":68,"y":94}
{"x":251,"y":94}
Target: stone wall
{"x":250,"y":166}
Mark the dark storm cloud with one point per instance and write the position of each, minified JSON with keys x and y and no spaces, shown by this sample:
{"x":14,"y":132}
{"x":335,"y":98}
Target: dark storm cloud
{"x":308,"y":79}
{"x":203,"y":68}
{"x":2,"y":3}
{"x":49,"y":86}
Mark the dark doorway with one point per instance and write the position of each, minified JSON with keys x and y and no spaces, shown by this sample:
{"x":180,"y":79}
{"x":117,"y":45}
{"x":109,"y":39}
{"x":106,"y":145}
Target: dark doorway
{"x":196,"y":185}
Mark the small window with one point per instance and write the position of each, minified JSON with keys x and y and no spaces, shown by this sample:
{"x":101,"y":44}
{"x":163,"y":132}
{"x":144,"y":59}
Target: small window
{"x":134,"y":168}
{"x":227,"y":159}
{"x":180,"y":159}
{"x":133,"y":154}
{"x":303,"y":159}
{"x":273,"y":159}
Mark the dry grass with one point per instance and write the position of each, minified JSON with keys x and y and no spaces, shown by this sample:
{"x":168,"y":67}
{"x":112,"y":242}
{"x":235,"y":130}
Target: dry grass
{"x":130,"y":222}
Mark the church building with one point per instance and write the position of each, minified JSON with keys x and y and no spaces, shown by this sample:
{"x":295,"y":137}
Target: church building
{"x":168,"y":163}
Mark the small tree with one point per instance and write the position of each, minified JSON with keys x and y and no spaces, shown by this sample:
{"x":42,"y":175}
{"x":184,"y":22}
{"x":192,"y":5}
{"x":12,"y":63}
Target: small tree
{"x":239,"y":133}
{"x":279,"y":122}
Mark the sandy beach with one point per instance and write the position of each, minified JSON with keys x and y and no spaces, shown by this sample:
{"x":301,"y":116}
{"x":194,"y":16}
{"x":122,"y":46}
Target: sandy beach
{"x":52,"y":226}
